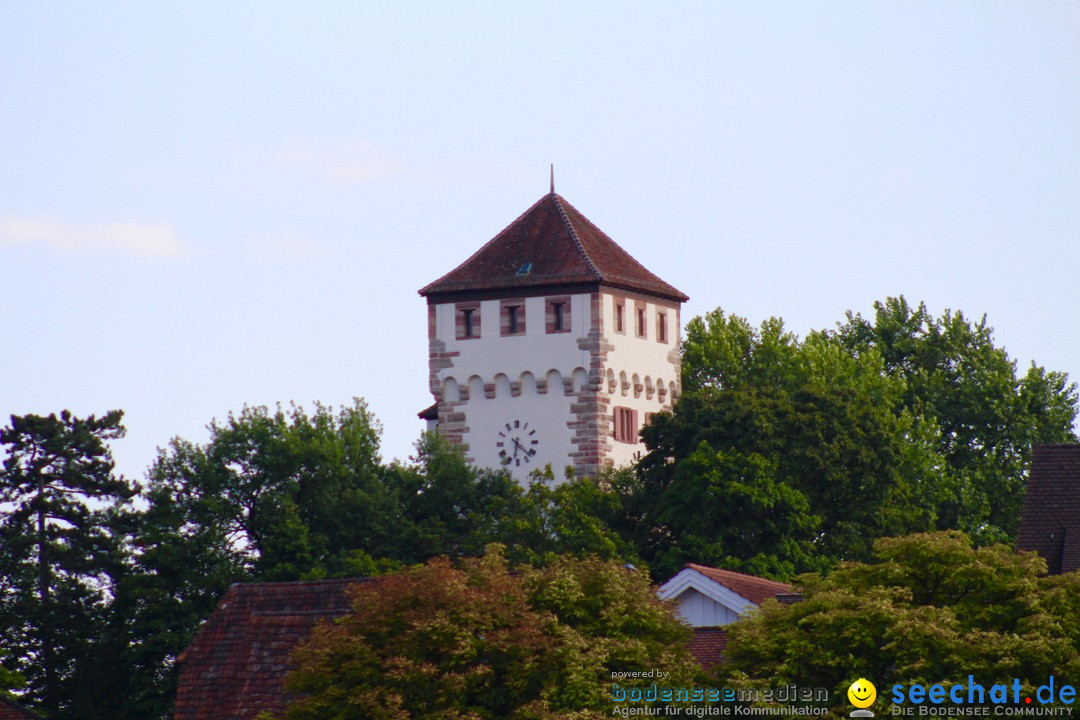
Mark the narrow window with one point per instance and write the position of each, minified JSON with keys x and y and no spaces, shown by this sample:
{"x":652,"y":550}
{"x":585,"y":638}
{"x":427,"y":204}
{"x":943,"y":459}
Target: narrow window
{"x":557,"y":314}
{"x":512,"y":321}
{"x":619,"y":318}
{"x":625,"y":425}
{"x":661,"y":327}
{"x":468,"y":322}
{"x":641,"y":322}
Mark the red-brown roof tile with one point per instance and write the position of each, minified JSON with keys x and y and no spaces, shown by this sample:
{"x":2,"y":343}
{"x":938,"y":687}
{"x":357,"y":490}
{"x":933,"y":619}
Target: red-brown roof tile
{"x":10,"y":710}
{"x":708,"y":644}
{"x":1050,"y":523}
{"x":235,"y":667}
{"x":756,"y":590}
{"x":563,"y":247}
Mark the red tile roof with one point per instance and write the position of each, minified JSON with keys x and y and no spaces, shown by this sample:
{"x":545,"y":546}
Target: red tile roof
{"x":756,"y":590}
{"x":563,"y":248}
{"x":708,"y":644}
{"x":10,"y":710}
{"x":1050,"y":522}
{"x":236,"y":665}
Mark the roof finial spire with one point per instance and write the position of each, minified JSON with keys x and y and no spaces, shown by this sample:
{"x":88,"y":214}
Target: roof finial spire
{"x":552,"y":178}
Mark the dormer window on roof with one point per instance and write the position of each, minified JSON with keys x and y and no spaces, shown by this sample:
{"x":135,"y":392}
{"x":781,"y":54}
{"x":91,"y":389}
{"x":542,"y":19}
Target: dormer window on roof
{"x":564,"y":249}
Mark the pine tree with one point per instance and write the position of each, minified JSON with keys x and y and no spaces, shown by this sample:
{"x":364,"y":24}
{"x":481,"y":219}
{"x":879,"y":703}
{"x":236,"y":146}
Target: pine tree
{"x":61,"y":551}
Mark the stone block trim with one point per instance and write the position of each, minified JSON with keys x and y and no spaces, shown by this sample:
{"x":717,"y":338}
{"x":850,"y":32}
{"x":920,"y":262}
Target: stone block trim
{"x":438,"y":360}
{"x":589,"y":423}
{"x":675,"y":358}
{"x":452,"y":420}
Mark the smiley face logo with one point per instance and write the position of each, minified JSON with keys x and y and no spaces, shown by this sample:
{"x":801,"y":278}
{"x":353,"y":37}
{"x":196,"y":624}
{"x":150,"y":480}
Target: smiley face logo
{"x":862,"y":693}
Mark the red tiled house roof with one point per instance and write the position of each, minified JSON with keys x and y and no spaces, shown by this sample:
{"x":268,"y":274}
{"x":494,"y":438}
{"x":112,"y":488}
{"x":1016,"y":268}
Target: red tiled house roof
{"x":235,"y":667}
{"x":708,"y":644}
{"x":710,"y":599}
{"x":1050,"y":523}
{"x":755,"y":589}
{"x":562,"y":247}
{"x":10,"y":710}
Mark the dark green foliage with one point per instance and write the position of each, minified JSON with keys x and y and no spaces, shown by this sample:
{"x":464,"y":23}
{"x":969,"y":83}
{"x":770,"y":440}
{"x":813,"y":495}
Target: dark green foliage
{"x":928,"y":609}
{"x":63,"y":551}
{"x":987,"y":417}
{"x":785,"y":455}
{"x":447,"y":507}
{"x":283,"y":495}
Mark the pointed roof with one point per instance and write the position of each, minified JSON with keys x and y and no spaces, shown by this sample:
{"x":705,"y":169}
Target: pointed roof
{"x":755,"y":589}
{"x":10,"y":710}
{"x":1050,"y":522}
{"x":551,"y":244}
{"x":235,"y":667}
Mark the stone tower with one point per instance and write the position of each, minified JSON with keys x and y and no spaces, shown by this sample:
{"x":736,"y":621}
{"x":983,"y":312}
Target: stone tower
{"x":551,"y":344}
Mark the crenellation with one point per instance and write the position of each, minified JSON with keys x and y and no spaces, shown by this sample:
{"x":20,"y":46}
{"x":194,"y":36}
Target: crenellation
{"x":520,"y":337}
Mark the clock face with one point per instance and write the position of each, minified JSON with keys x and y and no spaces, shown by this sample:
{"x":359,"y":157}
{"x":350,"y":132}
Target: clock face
{"x":517,"y":443}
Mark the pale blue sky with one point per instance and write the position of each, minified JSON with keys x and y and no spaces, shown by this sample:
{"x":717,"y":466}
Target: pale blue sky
{"x":205,"y":206}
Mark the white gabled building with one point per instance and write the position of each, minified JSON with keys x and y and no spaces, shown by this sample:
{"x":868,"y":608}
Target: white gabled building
{"x":551,"y":344}
{"x":710,"y":597}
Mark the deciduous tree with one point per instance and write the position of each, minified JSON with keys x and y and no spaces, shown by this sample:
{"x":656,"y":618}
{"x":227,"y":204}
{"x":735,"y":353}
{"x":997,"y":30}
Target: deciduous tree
{"x":786,"y":455}
{"x":475,"y":640}
{"x":928,"y":609}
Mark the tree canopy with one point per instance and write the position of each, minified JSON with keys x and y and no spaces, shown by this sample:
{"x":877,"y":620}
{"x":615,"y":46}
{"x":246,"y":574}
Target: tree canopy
{"x":786,"y":455}
{"x":928,"y":609}
{"x":783,"y":455}
{"x":63,"y":550}
{"x":476,"y":640}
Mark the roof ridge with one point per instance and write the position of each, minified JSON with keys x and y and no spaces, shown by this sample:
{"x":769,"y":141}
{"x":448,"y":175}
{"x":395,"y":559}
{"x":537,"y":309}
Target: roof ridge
{"x":484,"y":246}
{"x":577,"y":240}
{"x":297,"y":583}
{"x":695,"y":566}
{"x":14,"y":704}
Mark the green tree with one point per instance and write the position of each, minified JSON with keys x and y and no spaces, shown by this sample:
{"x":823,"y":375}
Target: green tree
{"x":452,"y":508}
{"x":63,"y":549}
{"x":476,"y":640}
{"x":782,"y":456}
{"x":928,"y":608}
{"x":285,"y":495}
{"x":9,"y":680}
{"x":787,"y":455}
{"x":578,"y":517}
{"x":449,"y":507}
{"x":988,"y":417}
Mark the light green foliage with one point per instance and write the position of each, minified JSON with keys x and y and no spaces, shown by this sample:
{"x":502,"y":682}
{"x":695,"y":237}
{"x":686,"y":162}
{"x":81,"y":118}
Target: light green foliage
{"x":476,"y":641}
{"x":9,"y":680}
{"x":929,"y":608}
